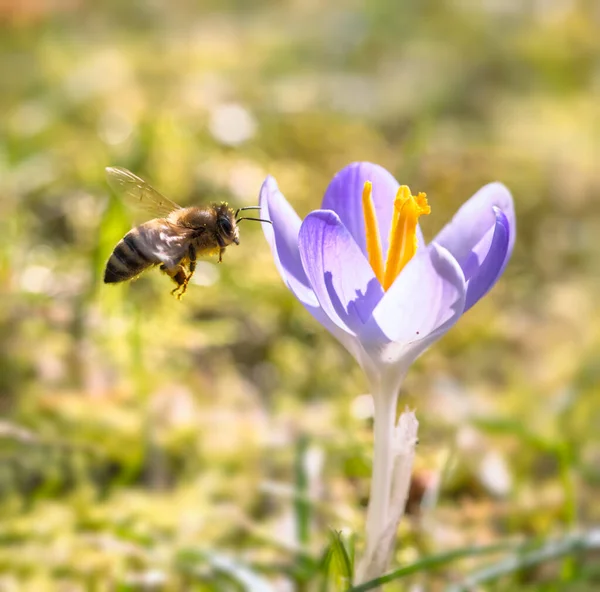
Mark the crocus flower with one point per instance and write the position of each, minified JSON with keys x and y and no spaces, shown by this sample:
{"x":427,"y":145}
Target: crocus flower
{"x":361,"y":267}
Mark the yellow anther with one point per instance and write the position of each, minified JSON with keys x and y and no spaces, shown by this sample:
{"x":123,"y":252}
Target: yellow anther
{"x":374,"y":249}
{"x":403,"y":232}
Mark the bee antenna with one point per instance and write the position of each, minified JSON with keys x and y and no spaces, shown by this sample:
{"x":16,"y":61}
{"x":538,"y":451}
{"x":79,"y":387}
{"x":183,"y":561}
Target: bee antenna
{"x":246,"y":208}
{"x":255,"y":220}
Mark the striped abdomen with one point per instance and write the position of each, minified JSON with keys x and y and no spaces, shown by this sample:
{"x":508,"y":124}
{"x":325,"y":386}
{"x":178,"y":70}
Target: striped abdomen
{"x":129,"y":258}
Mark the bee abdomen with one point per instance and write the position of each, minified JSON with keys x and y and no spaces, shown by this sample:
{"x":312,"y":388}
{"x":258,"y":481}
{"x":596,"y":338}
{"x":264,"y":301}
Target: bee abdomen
{"x":127,"y":260}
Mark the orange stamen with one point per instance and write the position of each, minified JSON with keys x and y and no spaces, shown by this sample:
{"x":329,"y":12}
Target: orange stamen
{"x":403,"y":232}
{"x":374,"y":249}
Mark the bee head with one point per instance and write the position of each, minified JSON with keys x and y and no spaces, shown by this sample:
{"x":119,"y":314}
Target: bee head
{"x":226,"y":225}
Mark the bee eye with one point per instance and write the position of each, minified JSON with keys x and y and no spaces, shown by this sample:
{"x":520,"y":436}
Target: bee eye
{"x":225,"y":225}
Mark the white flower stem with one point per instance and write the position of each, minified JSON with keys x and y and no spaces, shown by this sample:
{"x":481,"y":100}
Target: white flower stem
{"x":383,"y":461}
{"x":393,"y":456}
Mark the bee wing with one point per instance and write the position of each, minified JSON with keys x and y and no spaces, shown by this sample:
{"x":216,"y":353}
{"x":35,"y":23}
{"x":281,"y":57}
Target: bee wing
{"x":164,"y":241}
{"x":139,"y":193}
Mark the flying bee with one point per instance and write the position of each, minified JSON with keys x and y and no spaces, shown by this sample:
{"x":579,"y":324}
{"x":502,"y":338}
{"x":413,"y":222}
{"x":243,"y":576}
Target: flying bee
{"x":174,"y":239}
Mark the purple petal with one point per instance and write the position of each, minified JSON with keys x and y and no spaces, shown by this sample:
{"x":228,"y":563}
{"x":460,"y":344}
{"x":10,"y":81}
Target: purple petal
{"x":344,"y":197}
{"x":339,"y":273}
{"x":472,"y":224}
{"x":426,"y":299}
{"x":282,"y":237}
{"x":490,"y":256}
{"x":424,"y":302}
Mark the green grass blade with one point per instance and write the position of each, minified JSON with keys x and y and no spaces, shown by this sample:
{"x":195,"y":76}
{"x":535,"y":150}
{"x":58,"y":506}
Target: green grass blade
{"x":428,"y":563}
{"x":339,"y":561}
{"x":191,"y":562}
{"x":569,"y":546}
{"x":302,"y":506}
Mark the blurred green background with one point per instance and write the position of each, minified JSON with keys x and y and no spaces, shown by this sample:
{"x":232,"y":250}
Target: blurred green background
{"x":138,"y":432}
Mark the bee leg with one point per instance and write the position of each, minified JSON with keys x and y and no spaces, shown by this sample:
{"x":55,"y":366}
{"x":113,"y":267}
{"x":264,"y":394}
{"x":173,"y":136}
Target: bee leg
{"x":221,"y":254}
{"x":178,"y":275}
{"x":181,"y":277}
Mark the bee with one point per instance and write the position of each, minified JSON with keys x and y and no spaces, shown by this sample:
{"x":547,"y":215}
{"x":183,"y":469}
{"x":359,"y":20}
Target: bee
{"x":174,"y":239}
